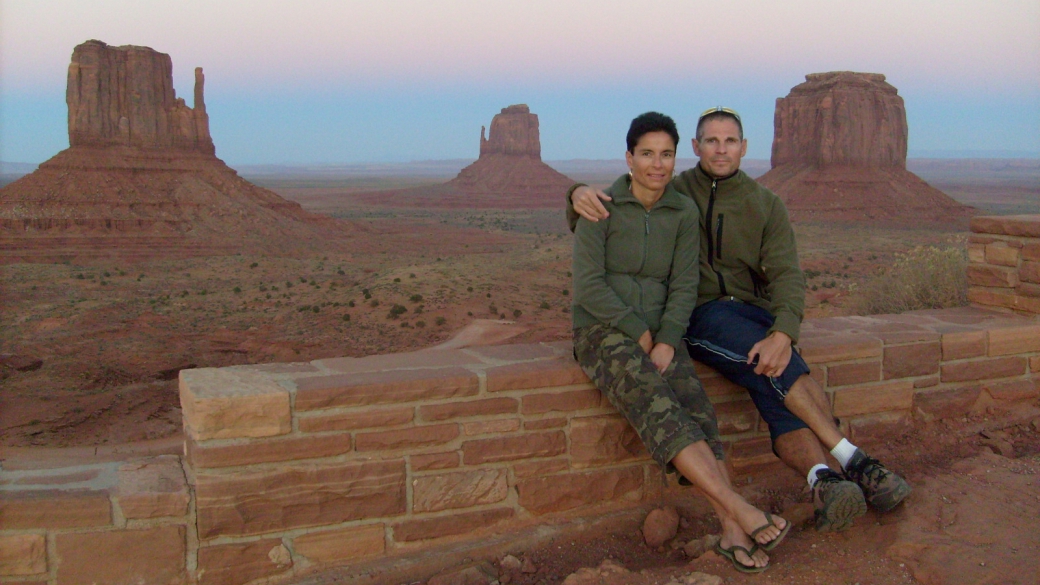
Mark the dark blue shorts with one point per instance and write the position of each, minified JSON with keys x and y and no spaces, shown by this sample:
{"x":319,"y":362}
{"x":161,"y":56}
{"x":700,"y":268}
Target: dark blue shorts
{"x":721,"y":335}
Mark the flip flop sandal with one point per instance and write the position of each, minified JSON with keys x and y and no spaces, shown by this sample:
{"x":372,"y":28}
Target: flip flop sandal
{"x":731,"y":554}
{"x":769,"y":523}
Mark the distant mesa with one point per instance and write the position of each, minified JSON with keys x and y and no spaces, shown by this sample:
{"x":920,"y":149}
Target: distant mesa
{"x":510,"y":163}
{"x":141,"y":179}
{"x":509,"y":174}
{"x":839,"y":153}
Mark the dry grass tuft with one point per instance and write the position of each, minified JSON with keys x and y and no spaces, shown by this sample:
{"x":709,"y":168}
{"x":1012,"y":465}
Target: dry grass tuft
{"x":926,"y":277}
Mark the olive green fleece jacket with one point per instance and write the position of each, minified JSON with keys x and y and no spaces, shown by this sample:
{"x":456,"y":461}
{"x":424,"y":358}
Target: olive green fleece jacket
{"x":637,"y":270}
{"x":747,"y":248}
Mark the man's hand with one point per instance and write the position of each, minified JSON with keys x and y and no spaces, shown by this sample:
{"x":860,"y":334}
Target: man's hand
{"x":773,"y":352}
{"x":586,"y":202}
{"x":662,"y":355}
{"x":646,"y":341}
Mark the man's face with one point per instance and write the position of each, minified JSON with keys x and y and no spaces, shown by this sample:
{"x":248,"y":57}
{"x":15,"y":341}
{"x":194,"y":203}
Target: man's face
{"x":720,"y":147}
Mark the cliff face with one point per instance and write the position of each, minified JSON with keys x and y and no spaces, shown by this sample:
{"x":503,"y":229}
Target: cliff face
{"x":839,"y":153}
{"x":840,"y":118}
{"x":140,"y":178}
{"x":123,"y":96}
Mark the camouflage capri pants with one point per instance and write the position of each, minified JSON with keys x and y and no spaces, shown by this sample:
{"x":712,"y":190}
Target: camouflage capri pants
{"x":669,"y":411}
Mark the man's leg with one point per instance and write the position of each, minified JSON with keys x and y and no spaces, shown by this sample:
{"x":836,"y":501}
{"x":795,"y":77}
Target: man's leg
{"x":720,"y":335}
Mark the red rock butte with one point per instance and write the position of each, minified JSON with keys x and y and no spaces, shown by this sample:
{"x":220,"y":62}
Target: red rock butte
{"x":141,"y":179}
{"x":839,"y":153}
{"x":509,"y":174}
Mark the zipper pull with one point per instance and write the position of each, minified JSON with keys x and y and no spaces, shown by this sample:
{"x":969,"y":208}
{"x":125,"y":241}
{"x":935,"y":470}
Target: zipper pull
{"x":646,"y":222}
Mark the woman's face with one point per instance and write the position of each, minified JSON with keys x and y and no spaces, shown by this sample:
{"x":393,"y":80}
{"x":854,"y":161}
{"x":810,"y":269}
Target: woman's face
{"x":652,"y":161}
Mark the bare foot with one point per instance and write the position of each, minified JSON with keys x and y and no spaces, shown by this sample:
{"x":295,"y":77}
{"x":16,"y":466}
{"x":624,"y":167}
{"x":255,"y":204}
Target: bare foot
{"x":733,"y":534}
{"x":751,"y":519}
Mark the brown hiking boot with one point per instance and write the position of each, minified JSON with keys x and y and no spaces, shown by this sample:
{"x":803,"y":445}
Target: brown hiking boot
{"x":838,"y":501}
{"x":883,"y":489}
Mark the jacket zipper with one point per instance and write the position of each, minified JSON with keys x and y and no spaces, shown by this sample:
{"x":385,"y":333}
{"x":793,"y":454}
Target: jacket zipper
{"x":646,"y":245}
{"x":715,"y":247}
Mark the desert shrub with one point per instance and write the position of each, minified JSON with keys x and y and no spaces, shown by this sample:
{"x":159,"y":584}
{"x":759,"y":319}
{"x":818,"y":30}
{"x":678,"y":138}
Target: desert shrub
{"x":811,"y":274}
{"x":374,"y":303}
{"x":440,"y":321}
{"x":254,"y":265}
{"x":566,"y":292}
{"x":415,"y":298}
{"x":396,"y":311}
{"x":316,"y":308}
{"x":346,"y":316}
{"x":517,"y":313}
{"x":350,"y":303}
{"x":303,"y":308}
{"x":237,"y":289}
{"x":544,"y":305}
{"x":397,"y":280}
{"x":926,"y":277}
{"x":420,"y":324}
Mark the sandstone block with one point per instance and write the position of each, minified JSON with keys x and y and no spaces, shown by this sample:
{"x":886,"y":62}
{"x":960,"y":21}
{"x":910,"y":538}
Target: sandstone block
{"x":545,"y":423}
{"x":256,"y":501}
{"x":516,"y":352}
{"x":541,"y":495}
{"x":1001,"y":254}
{"x":715,"y":386}
{"x":1013,"y":390}
{"x":486,"y":427}
{"x":367,"y":419}
{"x":422,"y":359}
{"x":351,"y":544}
{"x":540,"y":374}
{"x":221,"y":403}
{"x":986,"y":275}
{"x":529,"y":445}
{"x":897,"y":395}
{"x":23,"y":554}
{"x":409,"y":438}
{"x":947,"y":402}
{"x":1030,"y":272}
{"x":1014,"y":340}
{"x":387,"y":387}
{"x":1034,"y":364}
{"x":604,"y":440}
{"x":54,"y":509}
{"x":878,"y":426}
{"x":235,"y":564}
{"x":854,"y":373}
{"x":963,"y":344}
{"x":485,"y":407}
{"x":458,"y":523}
{"x":904,"y":361}
{"x":839,"y":348}
{"x":1031,"y":251}
{"x":1026,"y":226}
{"x":152,"y":488}
{"x":446,"y":491}
{"x":926,"y":382}
{"x":568,"y":401}
{"x":430,"y":461}
{"x":252,"y":452}
{"x":154,"y":555}
{"x":976,"y":253}
{"x":736,"y":416}
{"x":540,"y":467}
{"x":992,"y":297}
{"x":983,"y":369}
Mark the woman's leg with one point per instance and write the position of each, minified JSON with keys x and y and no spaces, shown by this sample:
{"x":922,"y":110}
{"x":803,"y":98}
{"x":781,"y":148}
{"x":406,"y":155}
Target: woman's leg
{"x":698,"y":464}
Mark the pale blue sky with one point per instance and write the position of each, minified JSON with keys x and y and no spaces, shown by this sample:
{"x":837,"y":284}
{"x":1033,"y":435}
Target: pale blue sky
{"x":323,"y":81}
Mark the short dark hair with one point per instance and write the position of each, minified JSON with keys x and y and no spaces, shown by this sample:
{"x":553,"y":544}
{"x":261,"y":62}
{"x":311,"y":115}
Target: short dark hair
{"x":719,"y":115}
{"x":647,"y":123}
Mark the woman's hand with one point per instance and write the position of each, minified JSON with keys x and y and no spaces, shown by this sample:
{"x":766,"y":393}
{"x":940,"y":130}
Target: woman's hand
{"x":646,"y":341}
{"x":662,"y":355}
{"x":586,"y":202}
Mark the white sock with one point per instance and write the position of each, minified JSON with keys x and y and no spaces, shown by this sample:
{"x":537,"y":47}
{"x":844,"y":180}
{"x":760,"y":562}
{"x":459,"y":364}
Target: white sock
{"x":843,"y":451}
{"x":812,"y":474}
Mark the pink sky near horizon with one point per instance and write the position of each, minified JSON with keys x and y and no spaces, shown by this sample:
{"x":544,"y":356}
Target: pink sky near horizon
{"x":945,"y":51}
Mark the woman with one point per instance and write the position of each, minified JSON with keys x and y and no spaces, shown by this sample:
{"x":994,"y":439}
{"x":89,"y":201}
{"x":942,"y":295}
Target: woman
{"x":635,"y":285}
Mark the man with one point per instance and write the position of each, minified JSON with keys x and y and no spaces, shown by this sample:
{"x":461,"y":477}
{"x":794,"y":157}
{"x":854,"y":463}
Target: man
{"x":749,"y":310}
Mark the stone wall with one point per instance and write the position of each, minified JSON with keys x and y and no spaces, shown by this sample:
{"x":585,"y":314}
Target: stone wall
{"x":1005,"y":262}
{"x":291,"y":469}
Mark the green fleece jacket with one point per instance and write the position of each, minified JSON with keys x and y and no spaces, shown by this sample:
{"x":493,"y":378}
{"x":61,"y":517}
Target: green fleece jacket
{"x":637,"y":270}
{"x":747,"y":246}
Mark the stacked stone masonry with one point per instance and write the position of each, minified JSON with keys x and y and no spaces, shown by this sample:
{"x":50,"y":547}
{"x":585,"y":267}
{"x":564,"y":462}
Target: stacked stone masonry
{"x":291,"y":469}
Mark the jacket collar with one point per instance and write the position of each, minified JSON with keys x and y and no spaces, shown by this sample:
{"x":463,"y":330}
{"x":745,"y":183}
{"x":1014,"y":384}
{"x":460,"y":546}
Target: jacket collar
{"x":733,"y":181}
{"x":621,"y":192}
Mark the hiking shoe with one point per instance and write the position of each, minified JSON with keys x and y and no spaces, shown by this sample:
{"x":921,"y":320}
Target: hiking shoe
{"x":883,"y":489}
{"x":838,"y":501}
